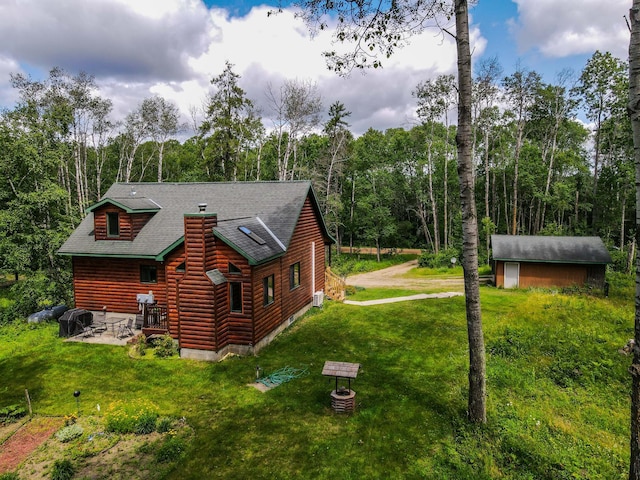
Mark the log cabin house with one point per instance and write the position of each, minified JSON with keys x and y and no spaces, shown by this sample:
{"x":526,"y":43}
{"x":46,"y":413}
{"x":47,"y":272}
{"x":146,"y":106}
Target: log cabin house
{"x":541,"y":261}
{"x":228,"y":265}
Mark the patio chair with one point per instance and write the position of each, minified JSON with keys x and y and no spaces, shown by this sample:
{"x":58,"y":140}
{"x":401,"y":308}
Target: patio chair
{"x":126,"y":330}
{"x":82,"y":330}
{"x":98,"y":327}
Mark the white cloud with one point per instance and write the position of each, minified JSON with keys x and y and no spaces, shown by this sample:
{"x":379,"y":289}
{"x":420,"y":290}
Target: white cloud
{"x":106,"y":37}
{"x":562,"y":28}
{"x":8,"y":66}
{"x":174,"y":48}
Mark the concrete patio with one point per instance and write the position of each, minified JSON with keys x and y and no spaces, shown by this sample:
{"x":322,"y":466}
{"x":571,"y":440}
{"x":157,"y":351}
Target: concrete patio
{"x":112,"y":320}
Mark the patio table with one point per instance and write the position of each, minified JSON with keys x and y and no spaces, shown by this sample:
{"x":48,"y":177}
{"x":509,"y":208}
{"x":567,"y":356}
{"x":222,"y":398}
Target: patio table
{"x":113,"y":321}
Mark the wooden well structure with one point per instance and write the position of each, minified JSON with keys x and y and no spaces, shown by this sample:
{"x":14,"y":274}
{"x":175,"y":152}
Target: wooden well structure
{"x":343,"y":400}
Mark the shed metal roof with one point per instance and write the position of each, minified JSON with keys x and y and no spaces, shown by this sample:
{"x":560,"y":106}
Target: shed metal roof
{"x":523,"y":248}
{"x":270,"y":209}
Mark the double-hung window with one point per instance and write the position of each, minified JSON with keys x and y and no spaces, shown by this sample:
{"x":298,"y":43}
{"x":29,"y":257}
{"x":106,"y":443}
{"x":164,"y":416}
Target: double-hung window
{"x":268,"y":285}
{"x":148,"y":274}
{"x":294,"y":276}
{"x":235,"y":296}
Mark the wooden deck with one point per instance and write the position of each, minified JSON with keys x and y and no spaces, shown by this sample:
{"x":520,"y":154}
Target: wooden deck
{"x":155,"y":320}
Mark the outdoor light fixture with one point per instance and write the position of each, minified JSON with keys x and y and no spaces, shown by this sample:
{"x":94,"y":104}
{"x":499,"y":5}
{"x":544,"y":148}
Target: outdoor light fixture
{"x":257,"y":372}
{"x":77,"y":395}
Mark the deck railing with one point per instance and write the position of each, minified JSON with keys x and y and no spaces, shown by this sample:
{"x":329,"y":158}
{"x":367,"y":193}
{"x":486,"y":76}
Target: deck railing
{"x":155,"y":316}
{"x":334,"y":285}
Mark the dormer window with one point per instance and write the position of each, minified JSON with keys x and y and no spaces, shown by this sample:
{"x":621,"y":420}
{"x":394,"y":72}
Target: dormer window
{"x":113,"y":224}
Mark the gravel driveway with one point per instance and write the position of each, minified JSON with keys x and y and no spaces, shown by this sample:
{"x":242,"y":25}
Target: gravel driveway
{"x":393,"y":277}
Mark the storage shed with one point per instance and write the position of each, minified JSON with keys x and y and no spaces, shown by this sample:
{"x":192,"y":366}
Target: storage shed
{"x":540,"y":261}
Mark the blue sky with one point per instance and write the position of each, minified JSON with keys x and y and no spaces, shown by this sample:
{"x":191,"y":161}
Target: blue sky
{"x":139,"y":48}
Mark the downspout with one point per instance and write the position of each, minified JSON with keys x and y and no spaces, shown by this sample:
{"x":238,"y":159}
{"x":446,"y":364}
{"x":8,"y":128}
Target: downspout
{"x":313,"y":268}
{"x":178,"y":322}
{"x":253,"y":311}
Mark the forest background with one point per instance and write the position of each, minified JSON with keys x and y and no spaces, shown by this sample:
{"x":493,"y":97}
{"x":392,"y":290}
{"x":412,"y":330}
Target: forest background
{"x":539,"y":170}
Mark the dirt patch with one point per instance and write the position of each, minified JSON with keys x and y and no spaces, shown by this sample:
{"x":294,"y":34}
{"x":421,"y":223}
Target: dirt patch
{"x":26,"y":439}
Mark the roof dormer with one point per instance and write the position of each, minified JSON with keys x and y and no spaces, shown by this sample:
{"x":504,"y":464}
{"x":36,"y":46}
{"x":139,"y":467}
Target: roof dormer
{"x":121,"y":218}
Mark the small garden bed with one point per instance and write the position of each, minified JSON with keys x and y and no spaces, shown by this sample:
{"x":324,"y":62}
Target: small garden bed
{"x":129,"y":441}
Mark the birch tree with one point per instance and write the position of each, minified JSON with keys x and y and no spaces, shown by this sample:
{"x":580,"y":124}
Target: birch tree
{"x":162,"y":121}
{"x":520,"y":90}
{"x":435,"y":100}
{"x":377,"y":29}
{"x":296,"y":106}
{"x":634,"y":113}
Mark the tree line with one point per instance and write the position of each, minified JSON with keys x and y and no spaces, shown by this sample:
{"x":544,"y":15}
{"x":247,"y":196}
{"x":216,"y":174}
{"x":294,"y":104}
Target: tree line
{"x":538,"y":170}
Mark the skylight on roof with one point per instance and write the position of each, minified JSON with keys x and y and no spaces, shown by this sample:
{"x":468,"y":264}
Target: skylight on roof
{"x":253,"y":236}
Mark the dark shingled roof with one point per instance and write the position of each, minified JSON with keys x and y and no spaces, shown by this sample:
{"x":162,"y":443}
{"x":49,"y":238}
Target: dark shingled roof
{"x":522,"y":248}
{"x":131,"y":204}
{"x":269,"y":209}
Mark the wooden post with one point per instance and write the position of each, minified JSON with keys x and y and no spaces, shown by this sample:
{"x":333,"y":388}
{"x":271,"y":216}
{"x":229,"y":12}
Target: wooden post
{"x":26,"y":394}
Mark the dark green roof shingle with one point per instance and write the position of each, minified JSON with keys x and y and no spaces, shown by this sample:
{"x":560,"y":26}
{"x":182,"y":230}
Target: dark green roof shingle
{"x":524,"y":248}
{"x":271,"y":209}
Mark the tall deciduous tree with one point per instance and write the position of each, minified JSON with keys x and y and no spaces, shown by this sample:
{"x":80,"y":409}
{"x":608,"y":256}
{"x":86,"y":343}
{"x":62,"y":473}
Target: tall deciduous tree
{"x":485,"y":119}
{"x":634,"y":113}
{"x":162,"y":120}
{"x":520,"y":90}
{"x":381,"y":27}
{"x":551,"y":110}
{"x":601,"y":86}
{"x":297,"y":106}
{"x":435,"y":100}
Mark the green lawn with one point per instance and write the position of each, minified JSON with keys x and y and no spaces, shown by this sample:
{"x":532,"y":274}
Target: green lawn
{"x":558,"y":404}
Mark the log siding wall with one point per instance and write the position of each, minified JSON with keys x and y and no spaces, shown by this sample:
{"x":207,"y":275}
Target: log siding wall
{"x":234,"y":327}
{"x":287,"y":301}
{"x":129,"y":224}
{"x":196,"y":299}
{"x":114,"y":283}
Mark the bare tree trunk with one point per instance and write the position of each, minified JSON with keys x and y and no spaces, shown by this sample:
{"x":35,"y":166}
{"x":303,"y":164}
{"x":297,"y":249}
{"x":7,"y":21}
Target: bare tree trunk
{"x":487,"y":178}
{"x":446,"y":198}
{"x":506,"y":199}
{"x":422,"y":215}
{"x":352,"y":211}
{"x":434,"y":205}
{"x":259,"y":162}
{"x":477,"y":364}
{"x":160,"y":160}
{"x":634,"y":113}
{"x":516,"y":160}
{"x":487,"y":213}
{"x":622,"y":221}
